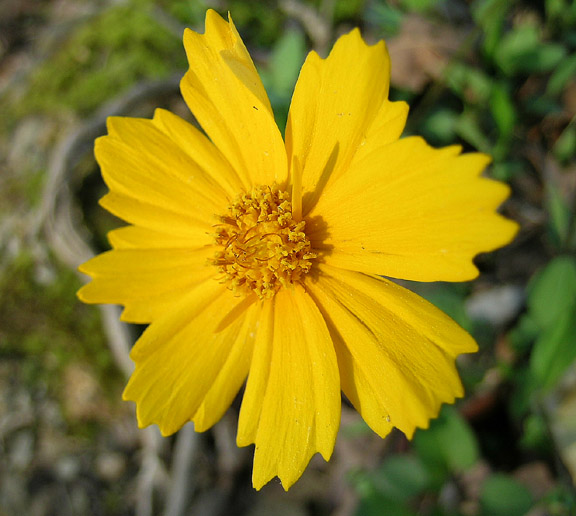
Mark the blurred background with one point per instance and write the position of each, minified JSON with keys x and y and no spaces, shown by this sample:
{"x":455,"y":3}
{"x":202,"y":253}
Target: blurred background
{"x":498,"y":76}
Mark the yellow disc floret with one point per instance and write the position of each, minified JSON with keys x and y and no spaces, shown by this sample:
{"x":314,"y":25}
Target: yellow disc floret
{"x":263,"y":247}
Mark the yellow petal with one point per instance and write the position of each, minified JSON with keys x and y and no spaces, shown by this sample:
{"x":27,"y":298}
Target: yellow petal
{"x":232,"y":374}
{"x":258,"y":378}
{"x":179,"y":357}
{"x":386,"y":128}
{"x":413,"y":212}
{"x":202,"y":151}
{"x":160,"y":220}
{"x":146,"y":281}
{"x":395,"y":350}
{"x":136,"y":237}
{"x":140,"y":161}
{"x":291,"y":407}
{"x":339,"y":107}
{"x":225,"y":94}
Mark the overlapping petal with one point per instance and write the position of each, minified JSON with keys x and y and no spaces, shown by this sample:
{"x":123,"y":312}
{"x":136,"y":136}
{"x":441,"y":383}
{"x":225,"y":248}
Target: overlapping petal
{"x":138,"y":157}
{"x":233,"y":372}
{"x":413,"y":212}
{"x":212,"y":164}
{"x":148,"y":282}
{"x":158,"y":219}
{"x":182,"y":357}
{"x":395,"y":350}
{"x":291,"y":406}
{"x":226,"y":95}
{"x":136,"y":237}
{"x":155,"y":184}
{"x":340,"y":107}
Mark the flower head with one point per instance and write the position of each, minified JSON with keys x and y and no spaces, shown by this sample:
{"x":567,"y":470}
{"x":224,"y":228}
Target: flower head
{"x":260,"y":259}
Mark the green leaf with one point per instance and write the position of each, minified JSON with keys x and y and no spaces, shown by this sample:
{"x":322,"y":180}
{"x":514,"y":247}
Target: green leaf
{"x":565,"y":147}
{"x":515,"y":45}
{"x":280,"y":76}
{"x":469,"y":129}
{"x":523,"y":394}
{"x":286,"y":60}
{"x":418,"y":5}
{"x":554,"y":8}
{"x":439,"y":127}
{"x":552,"y":291}
{"x":521,"y":51}
{"x":372,"y":500}
{"x":506,"y":170}
{"x":562,"y":12}
{"x":448,"y":444}
{"x":478,"y":85}
{"x":547,"y":57}
{"x":401,"y":478}
{"x":560,"y":500}
{"x":345,"y":9}
{"x":503,"y":110}
{"x":376,"y":505}
{"x":503,"y":496}
{"x":560,"y":215}
{"x":565,"y":72}
{"x":523,"y":334}
{"x":535,"y":435}
{"x":469,"y":83}
{"x":385,"y":16}
{"x":490,"y":15}
{"x":555,"y":350}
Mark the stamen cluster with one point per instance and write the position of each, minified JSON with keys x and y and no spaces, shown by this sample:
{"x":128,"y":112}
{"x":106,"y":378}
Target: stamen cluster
{"x":263,"y":247}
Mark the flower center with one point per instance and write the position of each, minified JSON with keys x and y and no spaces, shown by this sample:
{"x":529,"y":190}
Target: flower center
{"x":263,"y":248}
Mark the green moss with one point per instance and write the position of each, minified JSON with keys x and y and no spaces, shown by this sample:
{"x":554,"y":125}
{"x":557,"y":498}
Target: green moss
{"x":101,"y":58}
{"x":48,"y":328}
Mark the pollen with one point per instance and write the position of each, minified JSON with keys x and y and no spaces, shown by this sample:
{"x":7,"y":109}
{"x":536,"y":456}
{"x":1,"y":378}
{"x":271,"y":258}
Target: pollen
{"x":262,"y":248}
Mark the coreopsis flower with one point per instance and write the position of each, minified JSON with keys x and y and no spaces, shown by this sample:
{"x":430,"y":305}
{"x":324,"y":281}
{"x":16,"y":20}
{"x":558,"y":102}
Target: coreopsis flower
{"x":259,"y":260}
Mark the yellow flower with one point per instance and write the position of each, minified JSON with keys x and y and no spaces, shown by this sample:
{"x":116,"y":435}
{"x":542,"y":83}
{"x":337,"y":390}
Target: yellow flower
{"x":254,"y":258}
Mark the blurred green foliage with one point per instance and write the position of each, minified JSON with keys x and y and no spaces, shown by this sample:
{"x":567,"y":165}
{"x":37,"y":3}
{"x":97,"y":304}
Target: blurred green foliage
{"x":448,"y":448}
{"x":121,"y":45}
{"x":280,"y":74}
{"x":552,"y":308}
{"x":43,"y":311}
{"x":504,"y":496}
{"x":512,"y":48}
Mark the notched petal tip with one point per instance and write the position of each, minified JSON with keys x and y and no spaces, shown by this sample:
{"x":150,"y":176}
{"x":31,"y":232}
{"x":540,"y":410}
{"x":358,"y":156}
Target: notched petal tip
{"x":354,"y":37}
{"x":291,"y":406}
{"x":221,"y":88}
{"x":405,"y":371}
{"x":144,"y":417}
{"x":83,"y":293}
{"x":83,"y":269}
{"x":80,"y":294}
{"x":486,"y":157}
{"x":285,"y":480}
{"x":216,"y":30}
